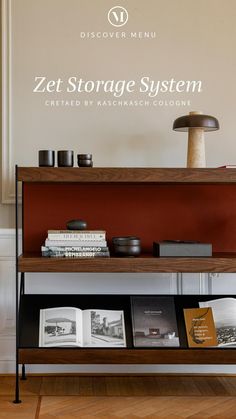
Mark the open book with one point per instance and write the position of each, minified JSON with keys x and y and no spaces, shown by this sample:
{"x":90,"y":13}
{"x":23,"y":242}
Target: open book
{"x":71,"y":326}
{"x":224,"y":314}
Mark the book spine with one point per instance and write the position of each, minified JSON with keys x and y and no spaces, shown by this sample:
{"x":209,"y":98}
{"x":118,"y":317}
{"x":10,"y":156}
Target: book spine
{"x":75,"y":243}
{"x":74,"y":249}
{"x":77,"y":236}
{"x":73,"y":254}
{"x":76,"y":231}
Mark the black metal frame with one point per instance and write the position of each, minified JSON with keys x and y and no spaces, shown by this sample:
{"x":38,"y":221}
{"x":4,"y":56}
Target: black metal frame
{"x":19,"y":292}
{"x":17,"y":389}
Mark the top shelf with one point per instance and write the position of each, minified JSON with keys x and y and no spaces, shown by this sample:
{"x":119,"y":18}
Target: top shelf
{"x":125,"y":175}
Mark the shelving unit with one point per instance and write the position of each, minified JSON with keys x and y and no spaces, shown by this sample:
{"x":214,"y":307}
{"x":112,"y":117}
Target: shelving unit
{"x":155,"y":204}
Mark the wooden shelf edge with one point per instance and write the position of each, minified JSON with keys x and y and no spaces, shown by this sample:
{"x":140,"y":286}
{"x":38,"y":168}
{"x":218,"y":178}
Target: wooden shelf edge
{"x":126,"y":175}
{"x":126,"y":356}
{"x":221,"y":263}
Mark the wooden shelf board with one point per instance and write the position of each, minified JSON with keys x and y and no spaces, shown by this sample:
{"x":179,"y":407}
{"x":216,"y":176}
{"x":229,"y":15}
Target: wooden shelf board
{"x":126,"y":356}
{"x":126,"y":175}
{"x":222,"y":262}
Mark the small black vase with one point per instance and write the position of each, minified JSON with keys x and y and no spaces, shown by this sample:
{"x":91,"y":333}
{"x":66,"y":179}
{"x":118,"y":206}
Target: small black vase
{"x":65,"y":158}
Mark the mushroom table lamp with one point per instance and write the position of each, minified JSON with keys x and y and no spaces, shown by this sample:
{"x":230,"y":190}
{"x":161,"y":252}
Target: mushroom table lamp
{"x":196,"y":123}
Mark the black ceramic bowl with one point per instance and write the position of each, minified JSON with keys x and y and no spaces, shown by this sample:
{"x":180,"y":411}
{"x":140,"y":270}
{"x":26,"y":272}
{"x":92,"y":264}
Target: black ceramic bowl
{"x":84,"y":156}
{"x":85,"y":163}
{"x":127,"y":250}
{"x":128,"y":240}
{"x":127,"y":246}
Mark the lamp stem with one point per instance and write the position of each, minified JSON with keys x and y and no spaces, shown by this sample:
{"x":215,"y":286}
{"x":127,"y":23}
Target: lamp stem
{"x":196,"y":146}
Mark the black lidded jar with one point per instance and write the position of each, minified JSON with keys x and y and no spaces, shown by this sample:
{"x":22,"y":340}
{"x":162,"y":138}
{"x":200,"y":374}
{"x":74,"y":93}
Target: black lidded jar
{"x":46,"y":158}
{"x":65,"y":158}
{"x":126,"y":246}
{"x":84,"y":160}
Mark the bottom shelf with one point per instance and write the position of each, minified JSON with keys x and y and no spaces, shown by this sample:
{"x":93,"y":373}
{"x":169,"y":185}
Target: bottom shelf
{"x":126,"y":356}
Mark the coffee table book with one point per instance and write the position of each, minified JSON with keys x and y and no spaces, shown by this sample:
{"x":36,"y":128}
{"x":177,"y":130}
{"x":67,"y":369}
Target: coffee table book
{"x":71,"y":326}
{"x":154,"y":321}
{"x":200,"y":327}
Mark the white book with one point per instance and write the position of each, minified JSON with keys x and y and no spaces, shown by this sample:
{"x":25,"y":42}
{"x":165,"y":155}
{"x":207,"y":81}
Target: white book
{"x":75,"y":243}
{"x":81,"y":235}
{"x":224,"y":314}
{"x":71,"y":326}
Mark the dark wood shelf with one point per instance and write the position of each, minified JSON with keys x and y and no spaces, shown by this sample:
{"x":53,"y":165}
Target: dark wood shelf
{"x":126,"y":356}
{"x":221,"y":262}
{"x":126,"y":175}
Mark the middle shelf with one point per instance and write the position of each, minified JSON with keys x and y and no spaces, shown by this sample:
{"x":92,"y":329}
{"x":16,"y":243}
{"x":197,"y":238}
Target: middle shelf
{"x":120,"y":324}
{"x":219,"y":262}
{"x":126,"y":356}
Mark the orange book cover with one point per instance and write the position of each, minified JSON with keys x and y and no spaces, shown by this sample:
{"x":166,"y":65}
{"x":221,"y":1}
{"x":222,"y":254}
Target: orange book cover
{"x":200,"y":327}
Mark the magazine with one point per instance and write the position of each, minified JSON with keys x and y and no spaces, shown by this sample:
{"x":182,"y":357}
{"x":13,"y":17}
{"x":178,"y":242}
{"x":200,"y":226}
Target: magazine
{"x":224,"y":314}
{"x":154,"y":321}
{"x":71,"y":326}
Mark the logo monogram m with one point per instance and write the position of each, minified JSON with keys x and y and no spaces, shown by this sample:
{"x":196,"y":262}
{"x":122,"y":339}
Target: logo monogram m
{"x":118,"y":16}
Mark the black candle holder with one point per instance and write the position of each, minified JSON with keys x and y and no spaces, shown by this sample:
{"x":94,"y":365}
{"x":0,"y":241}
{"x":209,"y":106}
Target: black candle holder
{"x":65,"y":158}
{"x":126,"y":246}
{"x":46,"y":158}
{"x":85,"y":160}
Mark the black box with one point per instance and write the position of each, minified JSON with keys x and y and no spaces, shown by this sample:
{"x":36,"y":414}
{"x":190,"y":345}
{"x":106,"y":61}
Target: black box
{"x":170,"y":248}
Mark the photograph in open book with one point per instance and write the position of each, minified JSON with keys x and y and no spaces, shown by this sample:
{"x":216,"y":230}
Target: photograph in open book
{"x":224,"y":314}
{"x":59,"y":327}
{"x":104,"y":328}
{"x":71,"y":326}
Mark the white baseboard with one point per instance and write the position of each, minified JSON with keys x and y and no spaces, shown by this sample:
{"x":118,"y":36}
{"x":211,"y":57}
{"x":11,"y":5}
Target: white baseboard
{"x":8,"y":367}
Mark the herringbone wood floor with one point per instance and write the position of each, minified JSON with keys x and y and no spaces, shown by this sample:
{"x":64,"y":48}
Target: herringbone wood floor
{"x":108,"y":397}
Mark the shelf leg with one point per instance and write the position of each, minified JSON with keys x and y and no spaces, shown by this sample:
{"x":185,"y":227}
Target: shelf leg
{"x":22,"y":283}
{"x":17,"y":387}
{"x":23,"y":374}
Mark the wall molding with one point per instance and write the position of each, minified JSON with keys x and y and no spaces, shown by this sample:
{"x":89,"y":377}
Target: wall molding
{"x":8,"y":193}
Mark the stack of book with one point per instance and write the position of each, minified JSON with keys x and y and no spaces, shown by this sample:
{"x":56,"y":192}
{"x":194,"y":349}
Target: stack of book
{"x":75,"y":243}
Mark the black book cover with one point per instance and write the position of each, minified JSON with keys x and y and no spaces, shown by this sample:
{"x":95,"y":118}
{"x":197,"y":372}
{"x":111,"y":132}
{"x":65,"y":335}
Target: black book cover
{"x":154,"y":321}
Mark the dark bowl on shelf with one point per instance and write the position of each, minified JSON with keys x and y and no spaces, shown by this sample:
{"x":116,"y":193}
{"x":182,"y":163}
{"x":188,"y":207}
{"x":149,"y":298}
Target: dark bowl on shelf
{"x":84,"y":156}
{"x":126,"y":241}
{"x":85,"y":163}
{"x":127,"y":250}
{"x":126,"y":246}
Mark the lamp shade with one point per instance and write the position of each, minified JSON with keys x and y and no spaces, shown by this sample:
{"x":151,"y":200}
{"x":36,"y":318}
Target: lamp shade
{"x":206,"y":122}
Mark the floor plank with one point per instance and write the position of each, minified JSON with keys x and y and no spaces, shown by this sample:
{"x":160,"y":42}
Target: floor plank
{"x":137,"y":407}
{"x":138,"y":386}
{"x":110,"y":397}
{"x":25,"y":410}
{"x":29,"y":387}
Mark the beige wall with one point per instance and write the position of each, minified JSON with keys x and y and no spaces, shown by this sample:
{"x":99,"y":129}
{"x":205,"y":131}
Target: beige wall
{"x":194,"y":41}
